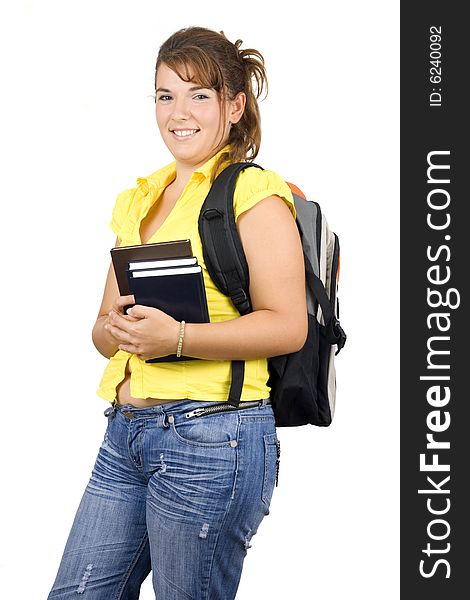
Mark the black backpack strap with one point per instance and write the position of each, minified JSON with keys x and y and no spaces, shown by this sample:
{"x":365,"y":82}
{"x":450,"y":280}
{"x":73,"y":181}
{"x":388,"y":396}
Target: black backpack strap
{"x":334,"y":332}
{"x":224,"y":256}
{"x":222,"y":249}
{"x":236,"y":386}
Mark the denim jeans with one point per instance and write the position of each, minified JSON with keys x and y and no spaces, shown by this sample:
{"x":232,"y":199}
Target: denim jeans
{"x":181,"y":496}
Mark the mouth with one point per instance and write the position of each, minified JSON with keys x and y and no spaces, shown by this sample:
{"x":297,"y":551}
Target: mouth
{"x":184,"y":134}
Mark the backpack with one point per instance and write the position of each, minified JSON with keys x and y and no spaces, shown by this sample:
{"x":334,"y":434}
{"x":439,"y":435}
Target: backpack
{"x":303,"y":383}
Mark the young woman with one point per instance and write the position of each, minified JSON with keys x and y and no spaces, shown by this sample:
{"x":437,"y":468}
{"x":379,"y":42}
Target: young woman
{"x":176,"y":495}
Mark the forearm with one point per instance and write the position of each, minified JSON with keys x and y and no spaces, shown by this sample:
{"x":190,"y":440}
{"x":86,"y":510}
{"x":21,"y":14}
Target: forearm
{"x":260,"y":334}
{"x":104,"y":342}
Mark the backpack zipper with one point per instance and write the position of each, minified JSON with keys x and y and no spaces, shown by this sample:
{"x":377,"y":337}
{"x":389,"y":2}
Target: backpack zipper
{"x":278,"y":452}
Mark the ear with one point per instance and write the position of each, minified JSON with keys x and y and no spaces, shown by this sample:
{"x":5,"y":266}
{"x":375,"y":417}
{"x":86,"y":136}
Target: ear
{"x":237,"y":107}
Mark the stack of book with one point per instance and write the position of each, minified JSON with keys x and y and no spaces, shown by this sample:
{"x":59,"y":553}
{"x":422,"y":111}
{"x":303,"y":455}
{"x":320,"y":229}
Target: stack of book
{"x":166,"y":276}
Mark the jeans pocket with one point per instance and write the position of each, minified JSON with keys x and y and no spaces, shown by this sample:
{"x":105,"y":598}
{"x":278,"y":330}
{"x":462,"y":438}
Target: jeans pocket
{"x":219,"y":430}
{"x":272,"y":452}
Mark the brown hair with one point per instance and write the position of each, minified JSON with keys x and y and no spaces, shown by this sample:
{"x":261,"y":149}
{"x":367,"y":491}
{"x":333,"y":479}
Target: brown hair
{"x":209,"y":59}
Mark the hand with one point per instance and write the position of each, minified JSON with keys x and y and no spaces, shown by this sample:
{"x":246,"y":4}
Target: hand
{"x":118,"y":307}
{"x":120,"y":302}
{"x":144,"y":331}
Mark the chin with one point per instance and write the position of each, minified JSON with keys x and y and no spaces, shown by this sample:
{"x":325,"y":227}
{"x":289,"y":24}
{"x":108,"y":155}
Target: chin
{"x":186,"y":153}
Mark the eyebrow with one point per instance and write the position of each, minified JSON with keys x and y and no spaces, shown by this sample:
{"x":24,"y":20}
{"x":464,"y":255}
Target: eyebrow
{"x":191,"y":89}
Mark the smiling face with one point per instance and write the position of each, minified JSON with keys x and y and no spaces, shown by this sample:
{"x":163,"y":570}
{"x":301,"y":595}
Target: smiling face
{"x":190,"y":118}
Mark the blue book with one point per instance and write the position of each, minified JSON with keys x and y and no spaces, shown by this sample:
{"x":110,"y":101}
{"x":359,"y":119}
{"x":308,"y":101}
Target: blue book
{"x":179,"y":292}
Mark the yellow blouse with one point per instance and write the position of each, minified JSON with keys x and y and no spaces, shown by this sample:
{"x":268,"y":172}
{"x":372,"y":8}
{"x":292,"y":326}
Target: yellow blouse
{"x":194,"y":379}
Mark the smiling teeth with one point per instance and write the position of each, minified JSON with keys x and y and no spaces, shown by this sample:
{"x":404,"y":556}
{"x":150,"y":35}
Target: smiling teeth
{"x":184,"y":132}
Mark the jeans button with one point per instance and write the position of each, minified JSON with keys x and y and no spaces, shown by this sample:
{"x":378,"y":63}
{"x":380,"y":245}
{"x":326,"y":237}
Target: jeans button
{"x":109,"y":411}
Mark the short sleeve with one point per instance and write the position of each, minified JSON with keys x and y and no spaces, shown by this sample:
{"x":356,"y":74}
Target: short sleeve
{"x":255,"y":184}
{"x":120,"y":218}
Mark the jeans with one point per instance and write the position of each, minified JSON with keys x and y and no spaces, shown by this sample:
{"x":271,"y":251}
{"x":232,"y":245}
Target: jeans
{"x":181,"y":496}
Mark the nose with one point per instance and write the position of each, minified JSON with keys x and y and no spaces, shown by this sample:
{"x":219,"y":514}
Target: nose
{"x":181,"y":110}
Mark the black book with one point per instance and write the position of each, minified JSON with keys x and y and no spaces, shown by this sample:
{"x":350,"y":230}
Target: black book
{"x":123,"y":255}
{"x":179,"y":292}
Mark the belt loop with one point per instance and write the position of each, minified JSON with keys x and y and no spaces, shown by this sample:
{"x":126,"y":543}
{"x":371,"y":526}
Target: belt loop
{"x":165,"y":422}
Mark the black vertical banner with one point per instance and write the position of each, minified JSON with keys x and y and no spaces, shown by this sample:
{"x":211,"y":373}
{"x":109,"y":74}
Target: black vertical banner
{"x":435,"y":268}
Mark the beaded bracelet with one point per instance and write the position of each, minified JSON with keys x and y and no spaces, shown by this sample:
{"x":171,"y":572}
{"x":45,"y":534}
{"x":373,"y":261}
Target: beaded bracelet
{"x":180,"y":339}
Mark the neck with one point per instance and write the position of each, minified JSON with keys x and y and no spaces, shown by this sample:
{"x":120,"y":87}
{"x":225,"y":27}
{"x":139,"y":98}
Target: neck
{"x":183,"y":174}
{"x":184,"y":169}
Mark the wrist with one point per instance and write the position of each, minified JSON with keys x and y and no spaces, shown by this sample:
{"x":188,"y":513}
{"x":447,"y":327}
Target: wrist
{"x":181,"y":332}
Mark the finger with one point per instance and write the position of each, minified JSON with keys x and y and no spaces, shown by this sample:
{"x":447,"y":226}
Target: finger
{"x":117,"y":333}
{"x":141,"y":312}
{"x":122,"y":301}
{"x":125,"y":316}
{"x":121,"y":321}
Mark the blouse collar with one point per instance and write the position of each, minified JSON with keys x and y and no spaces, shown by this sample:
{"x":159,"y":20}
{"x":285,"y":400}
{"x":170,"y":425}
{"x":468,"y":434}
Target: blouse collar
{"x":163,"y":177}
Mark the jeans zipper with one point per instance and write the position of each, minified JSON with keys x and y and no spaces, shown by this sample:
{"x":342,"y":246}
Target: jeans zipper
{"x":199,"y":412}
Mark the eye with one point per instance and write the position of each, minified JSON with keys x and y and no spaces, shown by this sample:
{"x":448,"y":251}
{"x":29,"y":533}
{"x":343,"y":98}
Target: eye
{"x":164,"y":97}
{"x":201,"y":97}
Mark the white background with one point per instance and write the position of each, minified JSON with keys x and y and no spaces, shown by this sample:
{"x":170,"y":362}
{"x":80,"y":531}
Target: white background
{"x":77,"y":127}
